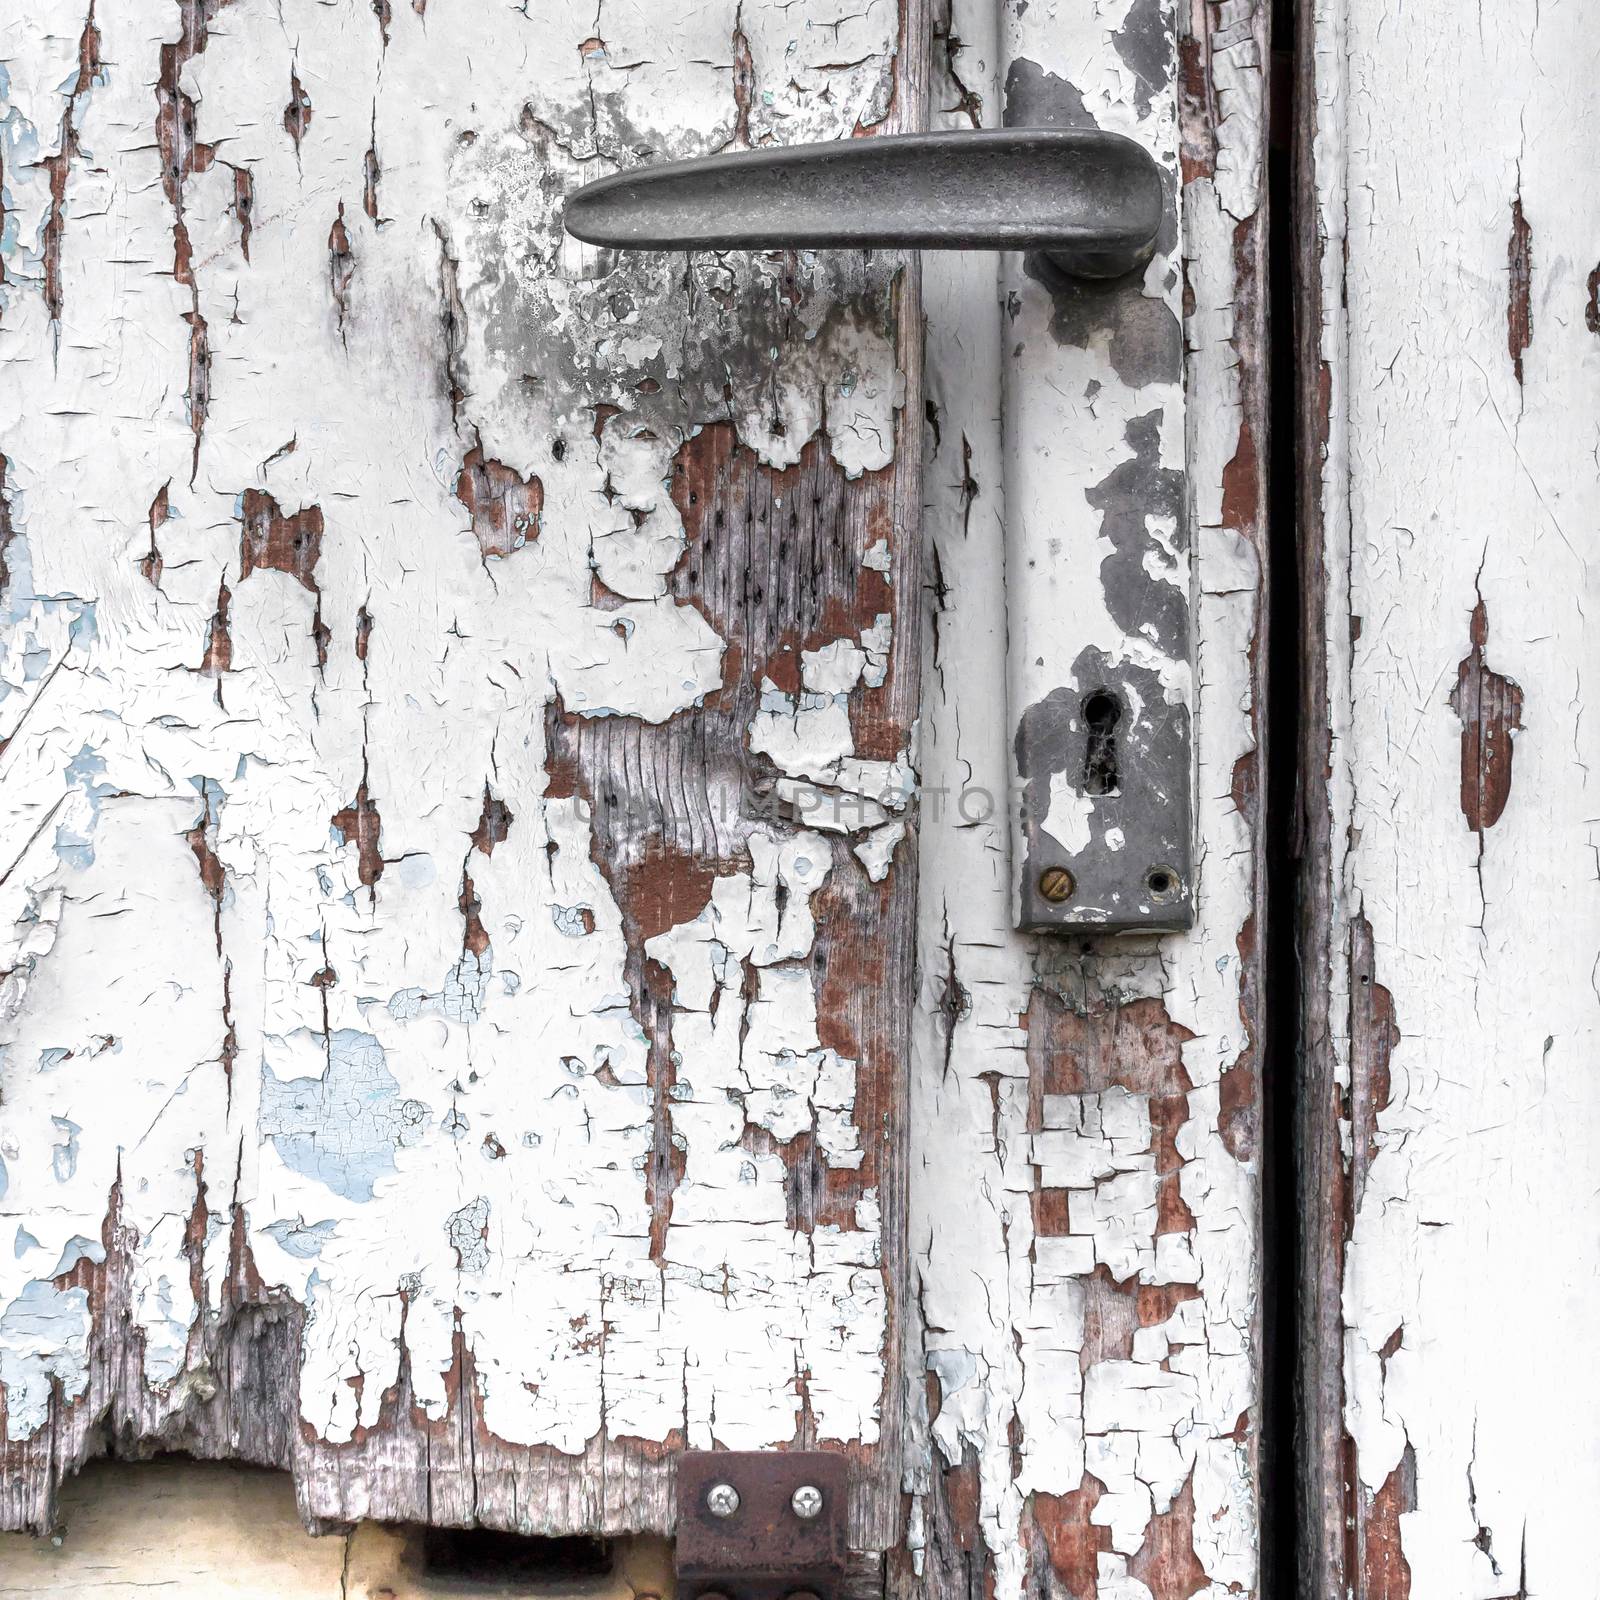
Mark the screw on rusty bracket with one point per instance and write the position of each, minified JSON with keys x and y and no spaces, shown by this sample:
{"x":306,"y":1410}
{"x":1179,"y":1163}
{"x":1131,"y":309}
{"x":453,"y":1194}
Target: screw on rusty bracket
{"x":761,"y":1525}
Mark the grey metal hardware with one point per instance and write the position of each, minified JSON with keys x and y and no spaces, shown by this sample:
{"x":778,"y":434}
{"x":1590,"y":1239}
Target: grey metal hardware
{"x":761,"y":1525}
{"x":1090,"y":201}
{"x":1116,"y":755}
{"x":1101,"y":802}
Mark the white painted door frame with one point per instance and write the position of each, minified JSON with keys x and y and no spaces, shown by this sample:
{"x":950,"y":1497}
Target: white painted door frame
{"x":1450,"y":378}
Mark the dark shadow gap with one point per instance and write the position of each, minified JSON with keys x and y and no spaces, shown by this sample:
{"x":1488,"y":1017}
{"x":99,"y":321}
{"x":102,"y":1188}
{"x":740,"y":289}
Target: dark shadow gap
{"x":488,"y":1556}
{"x":1282,"y":1536}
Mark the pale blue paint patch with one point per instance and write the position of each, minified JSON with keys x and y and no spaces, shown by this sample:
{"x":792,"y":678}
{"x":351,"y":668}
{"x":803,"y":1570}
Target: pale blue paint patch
{"x":406,"y":1005}
{"x":84,"y":629}
{"x":77,"y":1249}
{"x":44,"y":1339}
{"x":64,"y":1158}
{"x":101,"y":78}
{"x":19,"y":559}
{"x":955,"y":1369}
{"x":17,"y":605}
{"x":466,"y":1229}
{"x":300,"y":1238}
{"x":19,"y":151}
{"x":413,"y":870}
{"x":83,"y":772}
{"x":52,"y":1058}
{"x":461,"y":999}
{"x":212,"y":793}
{"x":25,"y":1242}
{"x":343,"y":1128}
{"x":466,"y":987}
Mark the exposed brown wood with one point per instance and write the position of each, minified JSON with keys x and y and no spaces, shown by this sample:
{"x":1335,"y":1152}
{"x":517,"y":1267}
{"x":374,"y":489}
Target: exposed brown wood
{"x":1489,"y":705}
{"x":778,"y":561}
{"x":1519,"y":298}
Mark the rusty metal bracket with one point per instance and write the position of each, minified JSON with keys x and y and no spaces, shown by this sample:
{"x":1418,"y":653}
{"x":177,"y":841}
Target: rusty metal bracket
{"x":762,"y":1525}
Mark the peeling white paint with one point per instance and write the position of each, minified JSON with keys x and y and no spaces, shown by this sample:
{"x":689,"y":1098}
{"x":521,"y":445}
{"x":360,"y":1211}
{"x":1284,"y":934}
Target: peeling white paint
{"x":1067,"y":821}
{"x":1019,"y":1403}
{"x":809,"y":736}
{"x":438,"y":1133}
{"x":1470,"y":1260}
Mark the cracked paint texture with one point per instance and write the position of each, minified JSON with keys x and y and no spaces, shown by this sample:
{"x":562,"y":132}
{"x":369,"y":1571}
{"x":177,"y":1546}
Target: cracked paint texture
{"x":523,"y":1124}
{"x":335,"y":478}
{"x":1457,"y":953}
{"x":1084,"y":1198}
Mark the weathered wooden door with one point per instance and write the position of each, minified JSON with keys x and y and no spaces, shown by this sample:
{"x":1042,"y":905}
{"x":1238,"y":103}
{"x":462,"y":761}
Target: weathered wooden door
{"x":510,"y":962}
{"x":455,"y":1051}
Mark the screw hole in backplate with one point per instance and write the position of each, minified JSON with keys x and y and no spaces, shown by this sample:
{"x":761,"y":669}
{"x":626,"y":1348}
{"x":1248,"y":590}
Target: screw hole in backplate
{"x":1163,"y":884}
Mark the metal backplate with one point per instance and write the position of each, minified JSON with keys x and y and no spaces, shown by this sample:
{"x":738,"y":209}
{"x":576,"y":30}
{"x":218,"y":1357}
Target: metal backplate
{"x":764,"y":1549}
{"x":1106,"y":821}
{"x":1099,"y":572}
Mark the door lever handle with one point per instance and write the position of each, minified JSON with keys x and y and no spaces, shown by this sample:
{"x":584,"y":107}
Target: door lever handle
{"x":1090,"y":201}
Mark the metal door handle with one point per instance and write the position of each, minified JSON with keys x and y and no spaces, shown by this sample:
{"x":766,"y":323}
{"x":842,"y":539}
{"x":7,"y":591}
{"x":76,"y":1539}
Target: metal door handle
{"x":1103,"y":739}
{"x":1091,"y":201}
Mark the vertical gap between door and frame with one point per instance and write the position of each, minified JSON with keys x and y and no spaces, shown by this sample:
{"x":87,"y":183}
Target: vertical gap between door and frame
{"x":1282,"y":1551}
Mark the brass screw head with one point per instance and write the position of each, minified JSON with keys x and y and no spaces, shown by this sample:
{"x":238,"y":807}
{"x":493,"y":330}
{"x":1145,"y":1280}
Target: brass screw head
{"x":1056,"y":884}
{"x":807,"y":1501}
{"x":722,"y":1499}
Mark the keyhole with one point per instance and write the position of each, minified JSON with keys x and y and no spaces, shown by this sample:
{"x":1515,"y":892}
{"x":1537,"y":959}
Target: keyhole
{"x":1102,"y":711}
